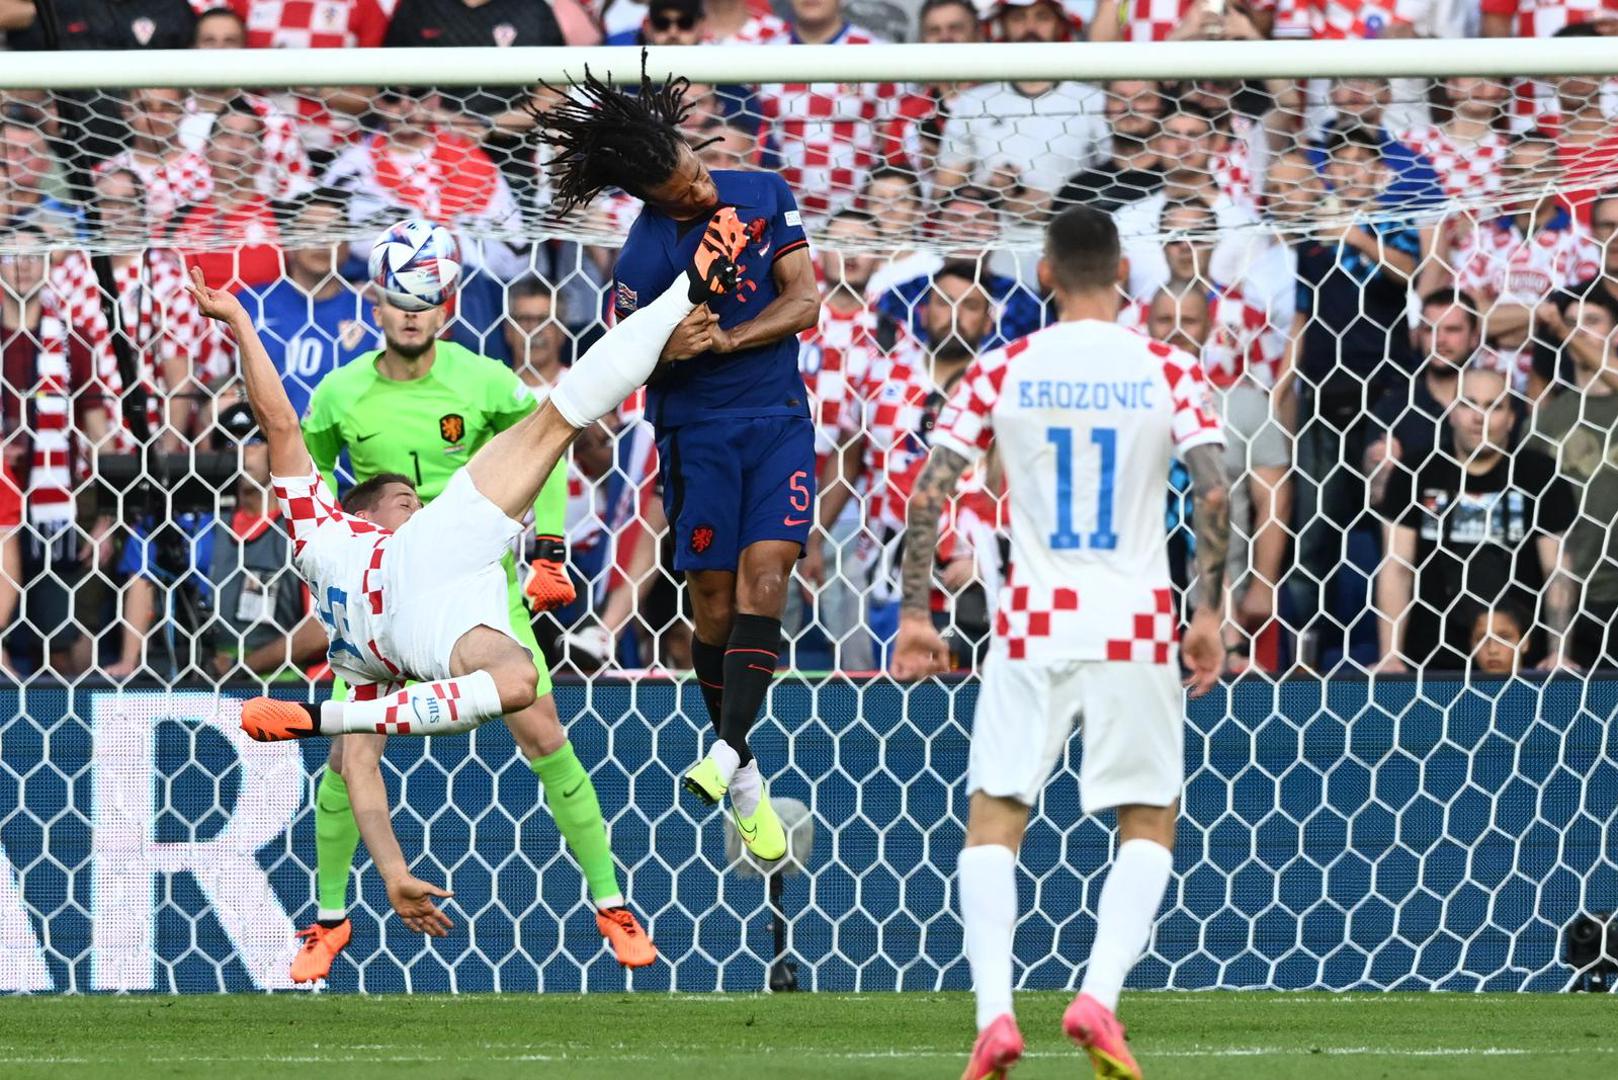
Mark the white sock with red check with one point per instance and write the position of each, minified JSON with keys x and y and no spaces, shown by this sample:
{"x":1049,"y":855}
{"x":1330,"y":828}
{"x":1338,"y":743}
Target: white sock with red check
{"x":622,"y":360}
{"x":988,"y":896}
{"x":446,"y":707}
{"x":1129,"y":903}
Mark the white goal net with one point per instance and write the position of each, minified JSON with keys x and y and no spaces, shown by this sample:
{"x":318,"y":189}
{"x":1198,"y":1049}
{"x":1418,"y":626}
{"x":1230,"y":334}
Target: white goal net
{"x":1403,"y":285}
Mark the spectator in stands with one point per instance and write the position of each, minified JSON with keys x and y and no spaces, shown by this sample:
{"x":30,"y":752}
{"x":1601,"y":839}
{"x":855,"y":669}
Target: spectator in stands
{"x":1577,"y":425}
{"x":233,"y":235}
{"x":171,"y":176}
{"x":892,"y":196}
{"x":1176,"y":20}
{"x":1536,"y":102}
{"x":534,"y":333}
{"x":1362,"y":104}
{"x":1554,"y":316}
{"x":1023,"y":139}
{"x":285,"y":164}
{"x":1350,"y":347}
{"x":967,"y":222}
{"x":417,"y":166}
{"x":96,"y":24}
{"x":54,"y":408}
{"x":738,"y":22}
{"x":1132,"y":170}
{"x":823,"y":137}
{"x":727,"y":143}
{"x":911,"y":139}
{"x":1514,"y":262}
{"x":1586,"y":141}
{"x":1479,"y":519}
{"x":1183,"y":143}
{"x":1447,"y":336}
{"x":1466,"y":147}
{"x":1499,"y":636}
{"x":31,"y":185}
{"x":312,"y":321}
{"x":667,"y":22}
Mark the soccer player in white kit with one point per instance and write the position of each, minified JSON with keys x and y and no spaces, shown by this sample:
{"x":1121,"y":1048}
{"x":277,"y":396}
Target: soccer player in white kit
{"x":1086,"y":416}
{"x":407,"y":592}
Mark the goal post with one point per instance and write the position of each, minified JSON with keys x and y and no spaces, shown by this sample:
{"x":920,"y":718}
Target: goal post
{"x":1385,"y":794}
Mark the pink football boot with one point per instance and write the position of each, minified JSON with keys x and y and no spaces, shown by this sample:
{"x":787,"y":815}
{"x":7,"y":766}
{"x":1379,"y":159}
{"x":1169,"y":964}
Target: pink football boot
{"x":998,"y":1048}
{"x":1094,"y":1027}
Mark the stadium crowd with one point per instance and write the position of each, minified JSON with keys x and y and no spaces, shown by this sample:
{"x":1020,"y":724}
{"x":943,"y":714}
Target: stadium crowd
{"x":1404,"y":294}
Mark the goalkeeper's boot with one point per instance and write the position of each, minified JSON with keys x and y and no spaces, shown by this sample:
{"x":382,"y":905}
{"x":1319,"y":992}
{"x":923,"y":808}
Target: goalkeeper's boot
{"x":706,"y":782}
{"x":998,"y":1048}
{"x":629,"y":942}
{"x":714,"y":271}
{"x":761,"y":831}
{"x":268,"y":720}
{"x":1097,"y":1031}
{"x":321,"y":944}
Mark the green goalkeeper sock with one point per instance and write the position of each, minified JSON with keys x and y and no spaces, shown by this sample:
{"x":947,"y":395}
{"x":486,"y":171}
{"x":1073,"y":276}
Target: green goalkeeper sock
{"x":572,"y":801}
{"x":336,"y":838}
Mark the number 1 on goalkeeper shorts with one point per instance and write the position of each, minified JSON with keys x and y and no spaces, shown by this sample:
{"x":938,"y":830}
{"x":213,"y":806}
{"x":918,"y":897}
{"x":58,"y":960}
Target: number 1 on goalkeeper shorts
{"x":1066,"y":537}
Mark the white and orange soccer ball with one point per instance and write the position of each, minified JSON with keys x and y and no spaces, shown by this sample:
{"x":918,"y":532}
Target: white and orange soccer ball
{"x":416,"y":265}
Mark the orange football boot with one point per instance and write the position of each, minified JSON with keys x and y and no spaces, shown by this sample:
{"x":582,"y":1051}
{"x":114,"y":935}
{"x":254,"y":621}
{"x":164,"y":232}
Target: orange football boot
{"x":713,"y":269}
{"x":629,"y":941}
{"x":268,"y":720}
{"x":321,"y":944}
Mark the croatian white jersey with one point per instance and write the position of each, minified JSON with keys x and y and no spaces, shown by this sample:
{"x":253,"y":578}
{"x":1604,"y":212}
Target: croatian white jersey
{"x":1087,"y":416}
{"x":340,"y":558}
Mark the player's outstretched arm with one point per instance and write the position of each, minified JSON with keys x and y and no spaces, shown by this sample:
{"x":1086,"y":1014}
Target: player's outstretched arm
{"x":412,"y":898}
{"x":919,"y":649}
{"x":277,"y":419}
{"x":1203,"y":649}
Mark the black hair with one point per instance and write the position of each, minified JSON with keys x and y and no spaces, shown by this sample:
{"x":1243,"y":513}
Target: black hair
{"x":1189,"y":108}
{"x":1460,"y":298}
{"x":1358,"y":136}
{"x":1081,"y":246}
{"x":365,"y":495}
{"x":1582,"y":29}
{"x":930,"y":6}
{"x":606,"y":137}
{"x":961,"y":269}
{"x":855,"y":214}
{"x":333,"y":197}
{"x":892,"y":172}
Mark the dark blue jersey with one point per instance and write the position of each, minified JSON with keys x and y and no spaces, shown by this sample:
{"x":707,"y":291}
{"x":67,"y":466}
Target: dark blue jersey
{"x":761,"y":381}
{"x":308,"y":339}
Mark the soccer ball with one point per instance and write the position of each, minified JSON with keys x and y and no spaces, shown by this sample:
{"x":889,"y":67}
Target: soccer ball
{"x":416,"y":265}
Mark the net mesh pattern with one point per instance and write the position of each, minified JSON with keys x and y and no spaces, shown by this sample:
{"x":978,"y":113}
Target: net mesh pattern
{"x":1402,"y":293}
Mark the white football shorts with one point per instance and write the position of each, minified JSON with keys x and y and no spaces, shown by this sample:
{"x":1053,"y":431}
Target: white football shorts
{"x":442,"y":576}
{"x":1132,"y":723}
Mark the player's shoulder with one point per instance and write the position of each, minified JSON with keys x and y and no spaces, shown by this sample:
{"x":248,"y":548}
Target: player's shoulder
{"x":739,"y":185}
{"x":347,"y":381}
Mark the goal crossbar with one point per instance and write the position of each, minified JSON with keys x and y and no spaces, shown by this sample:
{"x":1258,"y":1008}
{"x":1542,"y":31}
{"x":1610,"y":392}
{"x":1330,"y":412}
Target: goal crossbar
{"x":1500,"y":57}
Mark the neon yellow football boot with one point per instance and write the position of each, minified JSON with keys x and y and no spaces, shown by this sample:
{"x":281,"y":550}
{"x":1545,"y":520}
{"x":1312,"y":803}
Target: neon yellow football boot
{"x":706,"y":782}
{"x":762,"y":831}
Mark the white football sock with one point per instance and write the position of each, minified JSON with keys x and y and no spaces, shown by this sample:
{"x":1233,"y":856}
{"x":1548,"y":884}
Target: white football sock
{"x":727,"y":759}
{"x":746,"y":788}
{"x":446,"y":707}
{"x":988,"y":897}
{"x":1129,"y":903}
{"x":621,"y":361}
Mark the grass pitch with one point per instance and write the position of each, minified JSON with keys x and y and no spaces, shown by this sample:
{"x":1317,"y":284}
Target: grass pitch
{"x":786,"y":1037}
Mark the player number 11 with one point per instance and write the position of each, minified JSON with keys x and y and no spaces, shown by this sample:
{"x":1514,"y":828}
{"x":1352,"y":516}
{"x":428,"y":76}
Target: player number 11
{"x":1066,"y":537}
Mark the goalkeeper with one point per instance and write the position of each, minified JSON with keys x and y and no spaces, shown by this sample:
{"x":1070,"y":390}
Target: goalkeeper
{"x":420,"y":408}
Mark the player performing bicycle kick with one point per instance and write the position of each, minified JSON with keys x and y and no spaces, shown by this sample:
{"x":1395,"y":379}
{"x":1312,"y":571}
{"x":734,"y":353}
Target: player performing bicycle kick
{"x":412,"y":593}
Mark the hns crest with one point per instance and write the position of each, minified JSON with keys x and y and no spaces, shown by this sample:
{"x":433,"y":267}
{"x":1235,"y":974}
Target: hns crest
{"x":452,"y":427}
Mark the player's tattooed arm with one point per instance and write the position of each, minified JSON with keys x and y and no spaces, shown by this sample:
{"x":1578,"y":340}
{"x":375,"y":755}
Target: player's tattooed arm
{"x":927,"y":502}
{"x":1210,"y":515}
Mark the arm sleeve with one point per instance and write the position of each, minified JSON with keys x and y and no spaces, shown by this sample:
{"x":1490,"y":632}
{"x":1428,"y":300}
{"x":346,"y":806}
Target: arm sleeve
{"x":966,"y":422}
{"x":306,"y":504}
{"x":1196,"y":421}
{"x":323,"y":435}
{"x":786,"y":224}
{"x":630,"y":279}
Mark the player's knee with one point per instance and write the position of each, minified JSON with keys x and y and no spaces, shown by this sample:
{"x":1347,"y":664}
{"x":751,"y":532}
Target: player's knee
{"x":516,"y":681}
{"x":764,"y":592}
{"x":1154,"y":823}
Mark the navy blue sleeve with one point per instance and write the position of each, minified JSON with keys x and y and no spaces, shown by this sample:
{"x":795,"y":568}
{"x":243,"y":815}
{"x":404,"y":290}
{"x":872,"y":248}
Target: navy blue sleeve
{"x":786,"y":224}
{"x":633,"y":276}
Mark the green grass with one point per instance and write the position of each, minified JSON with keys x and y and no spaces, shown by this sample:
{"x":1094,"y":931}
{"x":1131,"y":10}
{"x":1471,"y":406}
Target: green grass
{"x":747,"y":1037}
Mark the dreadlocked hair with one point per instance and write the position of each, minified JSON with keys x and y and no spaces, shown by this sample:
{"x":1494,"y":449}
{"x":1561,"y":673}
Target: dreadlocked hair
{"x":607,"y":137}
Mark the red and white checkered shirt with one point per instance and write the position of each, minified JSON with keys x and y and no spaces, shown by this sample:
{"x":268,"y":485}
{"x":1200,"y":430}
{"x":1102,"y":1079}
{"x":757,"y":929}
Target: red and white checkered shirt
{"x":285,"y":171}
{"x":310,"y":24}
{"x":340,"y":558}
{"x":1465,"y":170}
{"x":1337,"y":20}
{"x":825,"y":134}
{"x":1543,"y":18}
{"x":170,"y":339}
{"x":834,"y":357}
{"x":1232,"y":166}
{"x":182,"y":180}
{"x":1086,"y":416}
{"x":759,"y":30}
{"x":1155,"y":20}
{"x":1497,"y":263}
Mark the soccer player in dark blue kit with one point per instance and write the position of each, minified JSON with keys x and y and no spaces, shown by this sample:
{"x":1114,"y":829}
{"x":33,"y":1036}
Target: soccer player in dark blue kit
{"x":734,"y":438}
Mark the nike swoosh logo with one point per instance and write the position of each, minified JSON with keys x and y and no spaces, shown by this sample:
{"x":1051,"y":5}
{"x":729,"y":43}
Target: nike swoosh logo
{"x":790,"y":522}
{"x":763,"y":251}
{"x":576,"y":787}
{"x":744,"y":830}
{"x":362,"y":438}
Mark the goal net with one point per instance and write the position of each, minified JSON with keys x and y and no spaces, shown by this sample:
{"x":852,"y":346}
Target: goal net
{"x":1401,"y":285}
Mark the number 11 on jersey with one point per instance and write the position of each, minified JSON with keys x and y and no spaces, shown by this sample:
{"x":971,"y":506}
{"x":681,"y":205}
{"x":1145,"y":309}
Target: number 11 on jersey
{"x":1065,"y":537}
